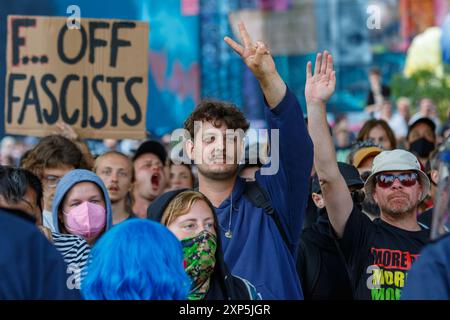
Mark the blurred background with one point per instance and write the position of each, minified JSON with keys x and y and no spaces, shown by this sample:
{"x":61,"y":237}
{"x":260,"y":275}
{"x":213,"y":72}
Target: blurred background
{"x":407,"y":41}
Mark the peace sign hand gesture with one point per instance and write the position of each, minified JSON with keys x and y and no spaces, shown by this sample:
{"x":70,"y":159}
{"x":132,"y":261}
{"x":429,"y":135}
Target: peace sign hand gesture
{"x":255,"y":55}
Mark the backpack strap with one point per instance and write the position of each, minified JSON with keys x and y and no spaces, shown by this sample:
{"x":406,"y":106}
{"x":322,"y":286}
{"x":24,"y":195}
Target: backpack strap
{"x":260,"y":199}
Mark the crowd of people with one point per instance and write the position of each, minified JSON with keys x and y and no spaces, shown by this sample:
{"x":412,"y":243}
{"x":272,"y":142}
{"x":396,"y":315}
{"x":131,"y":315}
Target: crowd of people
{"x":344,"y":217}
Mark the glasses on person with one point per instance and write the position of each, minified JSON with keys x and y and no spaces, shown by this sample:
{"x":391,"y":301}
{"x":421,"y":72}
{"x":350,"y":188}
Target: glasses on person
{"x":386,"y":180}
{"x":52,"y":181}
{"x":365,"y":175}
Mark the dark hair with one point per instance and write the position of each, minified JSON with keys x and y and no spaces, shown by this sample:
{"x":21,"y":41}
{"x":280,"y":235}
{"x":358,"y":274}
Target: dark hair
{"x":188,"y":166}
{"x":372,"y":123}
{"x":14,"y":183}
{"x":54,"y":151}
{"x":217,"y":112}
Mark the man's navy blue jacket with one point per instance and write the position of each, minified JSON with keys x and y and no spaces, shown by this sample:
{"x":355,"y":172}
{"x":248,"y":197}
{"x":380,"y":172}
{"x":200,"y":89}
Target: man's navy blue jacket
{"x":30,"y":267}
{"x":257,"y":251}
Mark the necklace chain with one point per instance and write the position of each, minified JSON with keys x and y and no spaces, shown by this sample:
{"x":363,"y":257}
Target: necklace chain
{"x":229,"y":233}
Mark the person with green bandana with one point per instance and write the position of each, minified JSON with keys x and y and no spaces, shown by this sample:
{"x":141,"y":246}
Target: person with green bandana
{"x":191,"y":218}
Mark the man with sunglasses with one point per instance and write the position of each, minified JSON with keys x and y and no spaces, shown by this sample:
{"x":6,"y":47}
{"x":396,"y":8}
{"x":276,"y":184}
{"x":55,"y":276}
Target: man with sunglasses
{"x":378,"y":253}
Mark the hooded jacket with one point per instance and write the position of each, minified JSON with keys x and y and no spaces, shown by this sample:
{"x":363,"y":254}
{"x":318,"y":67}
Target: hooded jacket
{"x":224,"y":286}
{"x":30,"y":267}
{"x":68,"y":181}
{"x":257,"y":250}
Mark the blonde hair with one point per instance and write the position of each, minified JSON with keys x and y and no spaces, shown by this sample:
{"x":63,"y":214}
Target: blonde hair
{"x":181,"y":204}
{"x":113,"y":152}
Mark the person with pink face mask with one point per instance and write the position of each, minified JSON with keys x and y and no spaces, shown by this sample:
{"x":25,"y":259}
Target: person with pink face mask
{"x":81,"y":205}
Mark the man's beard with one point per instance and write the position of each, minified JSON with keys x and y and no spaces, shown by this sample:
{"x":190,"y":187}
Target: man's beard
{"x":398,"y":212}
{"x":218,"y":175}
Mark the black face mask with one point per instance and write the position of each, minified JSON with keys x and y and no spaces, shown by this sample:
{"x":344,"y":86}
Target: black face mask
{"x":422,"y":147}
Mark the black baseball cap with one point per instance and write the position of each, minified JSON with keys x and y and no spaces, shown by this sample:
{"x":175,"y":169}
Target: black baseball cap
{"x":350,"y":174}
{"x":425,"y":120}
{"x":154,"y":147}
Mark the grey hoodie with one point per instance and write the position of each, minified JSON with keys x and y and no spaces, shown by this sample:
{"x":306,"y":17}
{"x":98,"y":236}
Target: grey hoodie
{"x":68,"y":181}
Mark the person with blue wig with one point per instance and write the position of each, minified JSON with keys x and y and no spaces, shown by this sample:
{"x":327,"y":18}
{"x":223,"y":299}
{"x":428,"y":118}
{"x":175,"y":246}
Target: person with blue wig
{"x":136,"y":260}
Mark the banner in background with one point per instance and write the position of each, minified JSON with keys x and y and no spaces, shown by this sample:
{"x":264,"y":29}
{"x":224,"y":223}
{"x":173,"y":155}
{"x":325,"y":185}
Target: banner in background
{"x":92,"y":77}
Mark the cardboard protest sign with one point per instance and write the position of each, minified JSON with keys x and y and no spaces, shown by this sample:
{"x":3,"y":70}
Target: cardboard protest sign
{"x":93,"y":78}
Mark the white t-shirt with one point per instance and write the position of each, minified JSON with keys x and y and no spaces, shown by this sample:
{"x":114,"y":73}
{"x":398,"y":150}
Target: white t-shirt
{"x":47,"y":217}
{"x":398,"y":125}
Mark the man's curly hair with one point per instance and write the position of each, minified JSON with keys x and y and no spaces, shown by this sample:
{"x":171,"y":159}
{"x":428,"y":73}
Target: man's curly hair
{"x":218,"y":113}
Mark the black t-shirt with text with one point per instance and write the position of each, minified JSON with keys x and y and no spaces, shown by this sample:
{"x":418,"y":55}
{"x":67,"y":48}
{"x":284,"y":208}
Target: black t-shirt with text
{"x":379,"y":256}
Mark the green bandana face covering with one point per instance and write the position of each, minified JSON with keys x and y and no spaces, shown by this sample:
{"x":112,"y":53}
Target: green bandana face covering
{"x":199,"y":260}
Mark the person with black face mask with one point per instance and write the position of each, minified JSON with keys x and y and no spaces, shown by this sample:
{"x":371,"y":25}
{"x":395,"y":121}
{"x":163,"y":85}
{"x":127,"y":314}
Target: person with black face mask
{"x":320,"y":263}
{"x":421,"y":138}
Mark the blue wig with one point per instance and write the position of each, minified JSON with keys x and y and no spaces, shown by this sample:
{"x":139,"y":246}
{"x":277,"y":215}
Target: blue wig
{"x":136,"y":260}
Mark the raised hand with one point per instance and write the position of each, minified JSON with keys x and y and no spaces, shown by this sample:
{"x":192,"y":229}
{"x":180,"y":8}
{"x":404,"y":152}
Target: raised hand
{"x":256,"y":55}
{"x":320,"y":86}
{"x":66,"y":131}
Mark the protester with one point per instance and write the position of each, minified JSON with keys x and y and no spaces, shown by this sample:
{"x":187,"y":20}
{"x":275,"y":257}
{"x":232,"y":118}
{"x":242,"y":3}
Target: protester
{"x":320,"y":264}
{"x":149,"y":164}
{"x":191,"y":217}
{"x":343,"y":138}
{"x":396,"y":121}
{"x":50,"y":160}
{"x":429,"y":278}
{"x":403,"y":108}
{"x":81,"y":205}
{"x":181,"y":176}
{"x":31,"y":268}
{"x":116,"y":171}
{"x":427,"y":109}
{"x":21,"y":190}
{"x":385,"y":248}
{"x":379,"y":132}
{"x":247,"y":229}
{"x":421,"y":138}
{"x":362,"y":156}
{"x":136,"y":260}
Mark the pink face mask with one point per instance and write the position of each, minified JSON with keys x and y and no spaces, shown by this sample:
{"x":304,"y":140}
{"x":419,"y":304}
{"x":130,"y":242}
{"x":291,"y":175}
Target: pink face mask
{"x":86,"y":220}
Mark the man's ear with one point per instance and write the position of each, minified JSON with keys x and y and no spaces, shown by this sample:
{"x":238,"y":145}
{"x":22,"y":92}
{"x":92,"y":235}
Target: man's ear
{"x":375,"y":196}
{"x":190,"y":149}
{"x":318,"y":200}
{"x":434,"y":175}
